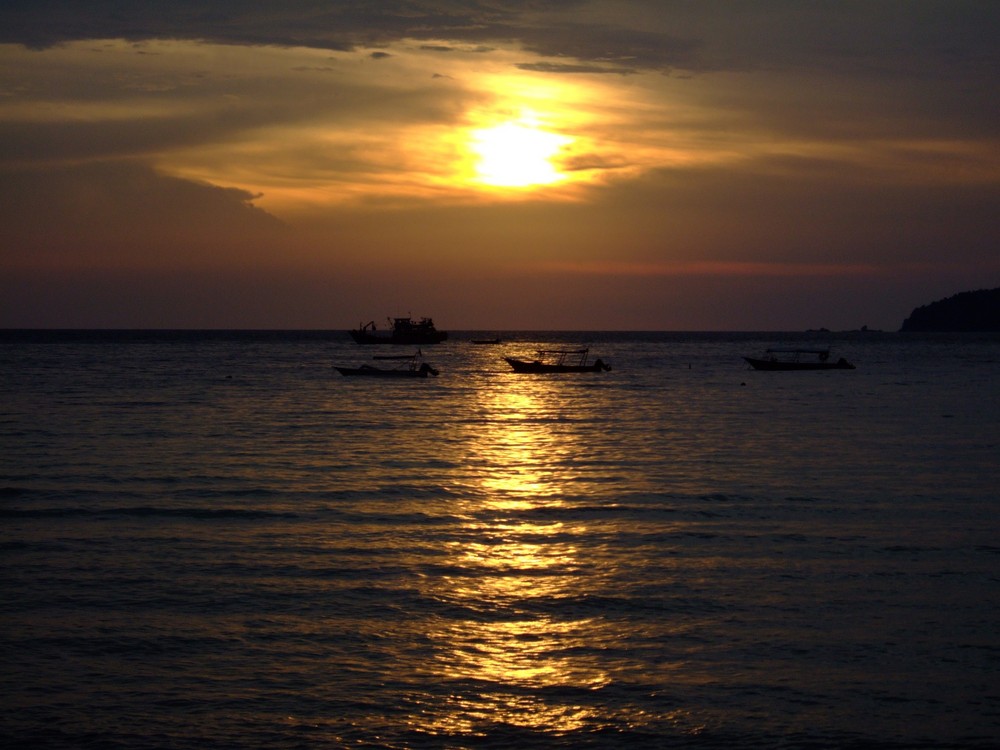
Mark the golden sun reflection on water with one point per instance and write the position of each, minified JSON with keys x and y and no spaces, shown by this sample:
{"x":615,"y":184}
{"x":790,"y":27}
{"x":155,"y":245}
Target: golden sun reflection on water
{"x":528,"y":653}
{"x":521,"y":457}
{"x":521,"y":652}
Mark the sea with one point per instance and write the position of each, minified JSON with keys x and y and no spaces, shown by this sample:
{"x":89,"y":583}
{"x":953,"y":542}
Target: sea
{"x":212,"y":539}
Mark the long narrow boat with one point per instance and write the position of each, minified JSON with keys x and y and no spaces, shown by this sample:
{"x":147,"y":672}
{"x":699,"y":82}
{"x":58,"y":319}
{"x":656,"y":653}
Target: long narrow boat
{"x":407,"y":369}
{"x":558,"y":361}
{"x":798,"y":359}
{"x":377,"y":372}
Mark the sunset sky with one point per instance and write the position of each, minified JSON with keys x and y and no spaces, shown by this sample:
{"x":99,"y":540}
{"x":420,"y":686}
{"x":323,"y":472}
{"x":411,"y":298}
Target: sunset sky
{"x":500,"y":164}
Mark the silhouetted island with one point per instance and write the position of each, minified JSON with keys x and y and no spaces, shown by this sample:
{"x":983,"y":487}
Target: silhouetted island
{"x":976,"y":311}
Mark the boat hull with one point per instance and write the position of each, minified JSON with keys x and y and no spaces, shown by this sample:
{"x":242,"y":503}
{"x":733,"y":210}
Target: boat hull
{"x":522,"y":366}
{"x":777,"y":365}
{"x":376,"y":372}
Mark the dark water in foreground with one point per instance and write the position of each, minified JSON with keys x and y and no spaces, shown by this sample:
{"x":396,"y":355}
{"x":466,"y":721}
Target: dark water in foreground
{"x":215,"y":541}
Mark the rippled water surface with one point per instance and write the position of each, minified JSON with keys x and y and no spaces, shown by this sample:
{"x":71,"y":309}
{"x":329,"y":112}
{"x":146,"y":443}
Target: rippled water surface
{"x":215,"y":540}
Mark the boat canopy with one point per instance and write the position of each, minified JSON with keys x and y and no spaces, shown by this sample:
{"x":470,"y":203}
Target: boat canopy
{"x":564,"y":356}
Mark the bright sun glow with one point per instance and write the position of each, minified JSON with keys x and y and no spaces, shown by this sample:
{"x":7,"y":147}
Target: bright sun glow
{"x":517,"y":154}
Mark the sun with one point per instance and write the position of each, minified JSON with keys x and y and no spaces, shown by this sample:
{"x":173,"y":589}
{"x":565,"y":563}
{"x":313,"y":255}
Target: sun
{"x":517,"y":154}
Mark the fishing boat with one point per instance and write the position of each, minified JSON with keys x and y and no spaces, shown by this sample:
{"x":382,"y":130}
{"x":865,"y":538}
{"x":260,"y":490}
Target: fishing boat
{"x":798,"y":359}
{"x":400,"y":331}
{"x":406,"y":367}
{"x":558,"y":360}
{"x":487,"y":342}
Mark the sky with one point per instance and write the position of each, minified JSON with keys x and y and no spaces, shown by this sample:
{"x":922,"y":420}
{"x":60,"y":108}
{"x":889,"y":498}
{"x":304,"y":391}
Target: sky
{"x":497,"y":164}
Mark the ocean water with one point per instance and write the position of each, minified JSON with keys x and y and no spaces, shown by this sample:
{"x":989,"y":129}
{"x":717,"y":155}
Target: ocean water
{"x":213,"y":540}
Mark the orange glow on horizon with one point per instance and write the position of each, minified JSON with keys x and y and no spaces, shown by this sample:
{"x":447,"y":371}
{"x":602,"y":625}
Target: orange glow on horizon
{"x":711,"y":268}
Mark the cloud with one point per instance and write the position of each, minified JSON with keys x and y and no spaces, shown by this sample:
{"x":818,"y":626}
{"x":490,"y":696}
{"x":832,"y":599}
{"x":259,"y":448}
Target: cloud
{"x":563,"y":68}
{"x":919,"y":38}
{"x":620,"y":46}
{"x":128,"y":212}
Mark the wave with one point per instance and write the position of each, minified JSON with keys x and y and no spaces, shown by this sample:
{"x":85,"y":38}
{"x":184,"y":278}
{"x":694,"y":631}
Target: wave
{"x":146,"y":512}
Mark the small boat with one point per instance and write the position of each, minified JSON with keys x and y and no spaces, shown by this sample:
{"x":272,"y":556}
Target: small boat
{"x":408,"y":368}
{"x":481,"y":342}
{"x":401,"y":331}
{"x":798,"y":359}
{"x":558,"y":360}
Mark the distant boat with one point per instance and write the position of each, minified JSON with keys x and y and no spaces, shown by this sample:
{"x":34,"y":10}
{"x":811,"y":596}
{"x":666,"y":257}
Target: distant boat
{"x":798,"y":359}
{"x":558,"y":360}
{"x":407,"y":368}
{"x":402,"y":331}
{"x":494,"y":340}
